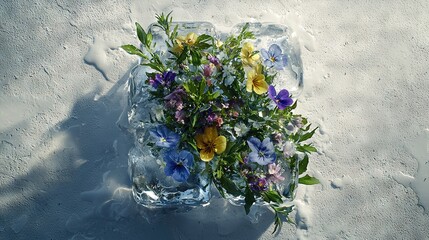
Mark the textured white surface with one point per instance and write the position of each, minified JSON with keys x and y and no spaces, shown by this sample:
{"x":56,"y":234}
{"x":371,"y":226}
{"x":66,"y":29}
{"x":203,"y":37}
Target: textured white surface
{"x":63,"y":160}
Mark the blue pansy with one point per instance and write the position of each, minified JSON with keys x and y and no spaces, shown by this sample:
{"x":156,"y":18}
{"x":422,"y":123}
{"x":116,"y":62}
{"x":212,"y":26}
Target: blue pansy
{"x":262,"y":152}
{"x":274,"y":57}
{"x":178,"y":164}
{"x":282,"y":99}
{"x":164,"y":137}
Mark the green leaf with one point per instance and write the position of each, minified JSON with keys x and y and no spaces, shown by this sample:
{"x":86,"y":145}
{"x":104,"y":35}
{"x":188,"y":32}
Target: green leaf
{"x":133,"y":50}
{"x":272,"y":196}
{"x":202,"y":45}
{"x":204,"y":38}
{"x":214,"y":95}
{"x":196,"y":57}
{"x":306,"y":148}
{"x":307,"y":135}
{"x":154,"y":66}
{"x":278,"y":223}
{"x":182,"y":56}
{"x":220,"y":189}
{"x":249,"y":199}
{"x":194,"y":119}
{"x":149,"y":38}
{"x":141,"y":34}
{"x":230,"y":186}
{"x":303,"y":165}
{"x":308,"y":180}
{"x":193,"y":145}
{"x":202,"y":87}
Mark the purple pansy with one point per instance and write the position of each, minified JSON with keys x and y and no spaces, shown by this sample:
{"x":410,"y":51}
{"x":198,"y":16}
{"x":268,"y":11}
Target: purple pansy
{"x":262,"y":152}
{"x":164,"y":137}
{"x":274,"y":57}
{"x":178,"y":164}
{"x":165,"y":79}
{"x":282,"y":99}
{"x":258,"y":184}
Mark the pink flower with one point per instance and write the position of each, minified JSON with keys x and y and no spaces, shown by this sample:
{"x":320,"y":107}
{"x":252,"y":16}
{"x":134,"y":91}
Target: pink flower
{"x":180,"y":116}
{"x":208,"y":70}
{"x":275,"y":173}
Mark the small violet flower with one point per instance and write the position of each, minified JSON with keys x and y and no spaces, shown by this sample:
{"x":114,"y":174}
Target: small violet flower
{"x":262,"y":152}
{"x":178,"y":164}
{"x":214,"y":60}
{"x":164,"y":137}
{"x":274,"y":57}
{"x":282,"y":99}
{"x":208,"y":70}
{"x":275,"y":173}
{"x":174,"y":99}
{"x":164,"y":80}
{"x":258,"y":184}
{"x":180,"y":116}
{"x":214,"y":118}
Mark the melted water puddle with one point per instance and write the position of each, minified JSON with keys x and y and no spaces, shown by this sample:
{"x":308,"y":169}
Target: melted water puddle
{"x":420,"y":182}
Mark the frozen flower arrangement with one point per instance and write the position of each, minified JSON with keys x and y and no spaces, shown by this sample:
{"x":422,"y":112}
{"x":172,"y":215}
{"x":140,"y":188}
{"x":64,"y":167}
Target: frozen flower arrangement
{"x":217,"y":105}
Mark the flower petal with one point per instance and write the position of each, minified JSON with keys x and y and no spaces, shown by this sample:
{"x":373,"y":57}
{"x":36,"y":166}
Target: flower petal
{"x":258,"y":69}
{"x":267,"y":145}
{"x":264,"y":54}
{"x":254,"y":157}
{"x":200,"y":141}
{"x":268,"y":63}
{"x":283,"y":94}
{"x":206,"y":155}
{"x":272,"y":92}
{"x":170,"y":168}
{"x":269,"y":158}
{"x":220,"y":144}
{"x":180,"y":174}
{"x":254,"y":144}
{"x":259,"y":85}
{"x":170,"y":157}
{"x":210,"y":133}
{"x":275,"y":50}
{"x":249,"y":83}
{"x":187,"y":158}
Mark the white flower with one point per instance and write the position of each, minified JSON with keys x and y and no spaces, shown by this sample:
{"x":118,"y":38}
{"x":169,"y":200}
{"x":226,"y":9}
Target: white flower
{"x":158,"y":112}
{"x":289,"y":149}
{"x":241,"y":129}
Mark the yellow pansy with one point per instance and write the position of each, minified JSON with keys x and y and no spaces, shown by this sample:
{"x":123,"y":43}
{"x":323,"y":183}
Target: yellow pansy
{"x":247,"y":56}
{"x":256,"y":81}
{"x":218,"y":43}
{"x":210,"y":143}
{"x":189,"y":40}
{"x":178,"y":46}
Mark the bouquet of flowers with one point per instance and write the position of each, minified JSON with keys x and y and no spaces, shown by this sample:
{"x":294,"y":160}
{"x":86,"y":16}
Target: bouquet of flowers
{"x":216,"y":111}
